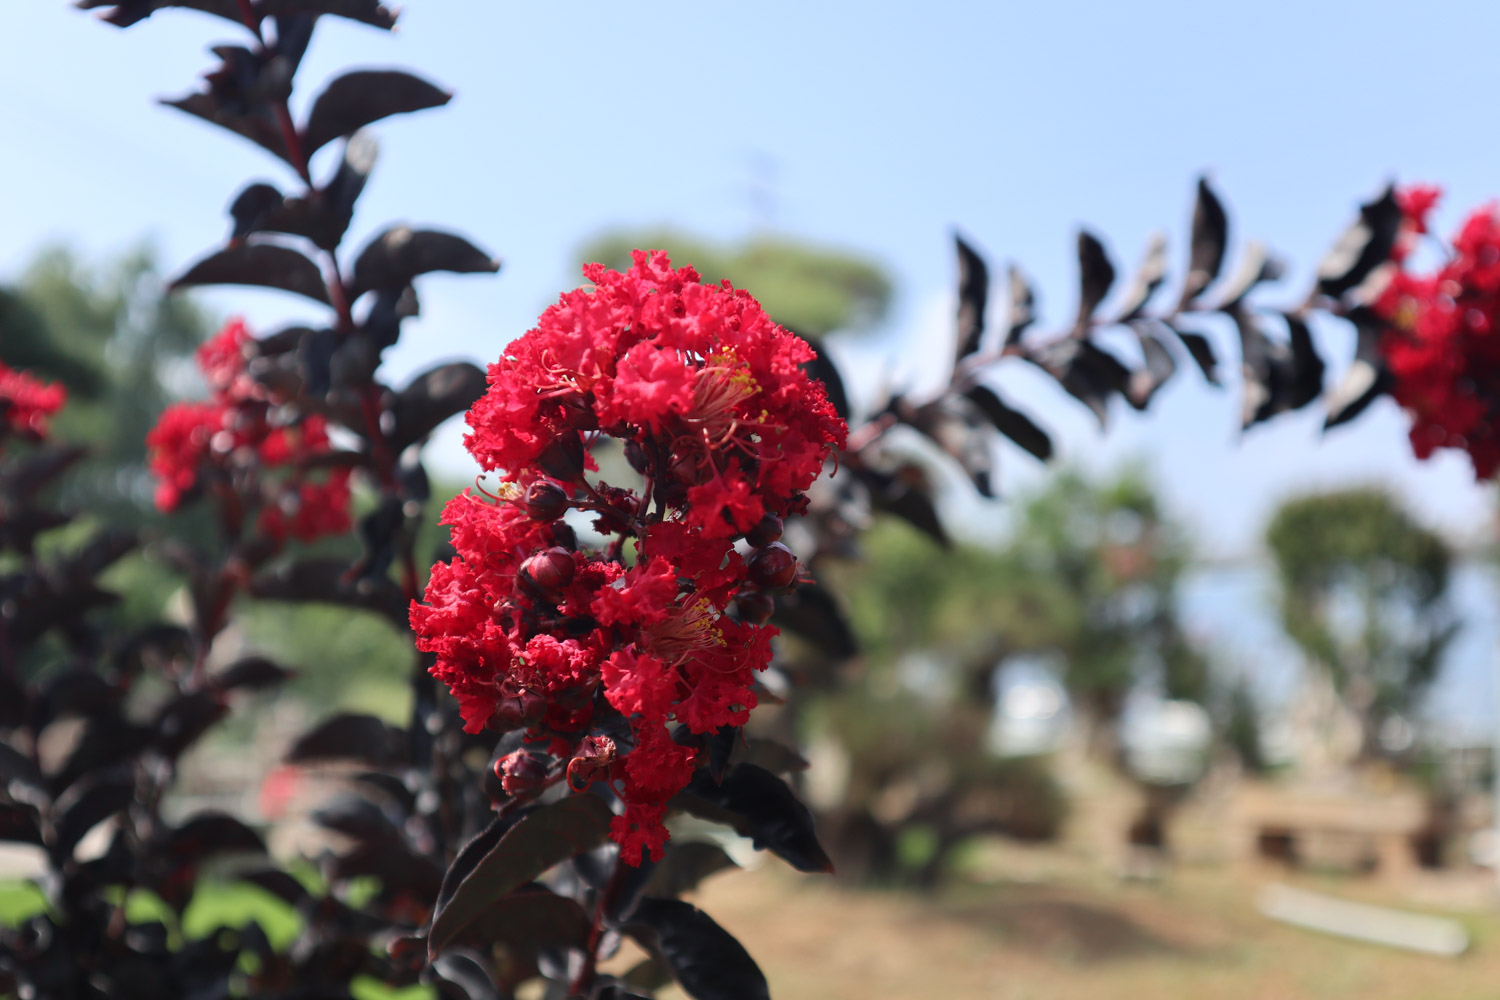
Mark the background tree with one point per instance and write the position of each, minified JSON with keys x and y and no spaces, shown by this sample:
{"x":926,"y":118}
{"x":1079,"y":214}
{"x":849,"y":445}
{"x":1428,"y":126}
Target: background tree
{"x":1363,"y":593}
{"x":804,"y":286}
{"x":1088,"y":580}
{"x":121,"y":347}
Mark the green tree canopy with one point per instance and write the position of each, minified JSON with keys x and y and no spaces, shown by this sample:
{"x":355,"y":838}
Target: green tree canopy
{"x":119,"y":345}
{"x":805,"y":287}
{"x":1363,"y":592}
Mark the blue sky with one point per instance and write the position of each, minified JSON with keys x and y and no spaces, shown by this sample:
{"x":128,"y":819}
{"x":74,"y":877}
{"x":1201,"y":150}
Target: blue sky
{"x":878,"y":126}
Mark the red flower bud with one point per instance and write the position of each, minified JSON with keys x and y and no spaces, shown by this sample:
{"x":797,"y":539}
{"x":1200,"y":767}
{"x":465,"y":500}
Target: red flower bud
{"x":545,"y":502}
{"x":564,"y":536}
{"x":593,"y":758}
{"x":522,"y":774}
{"x":578,"y":411}
{"x":563,"y":458}
{"x":773,"y":567}
{"x":636,"y":455}
{"x":517,"y":712}
{"x":550,"y":569}
{"x":754,"y":607}
{"x":765,"y":531}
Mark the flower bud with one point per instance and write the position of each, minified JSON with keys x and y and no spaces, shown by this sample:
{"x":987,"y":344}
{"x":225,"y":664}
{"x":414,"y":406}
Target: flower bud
{"x":773,"y":567}
{"x":564,"y":536}
{"x":523,"y":709}
{"x":593,"y":759}
{"x":765,"y":531}
{"x":545,"y":501}
{"x":550,"y":569}
{"x":563,"y":458}
{"x":754,"y":607}
{"x":522,"y":773}
{"x":636,"y":455}
{"x":578,"y":411}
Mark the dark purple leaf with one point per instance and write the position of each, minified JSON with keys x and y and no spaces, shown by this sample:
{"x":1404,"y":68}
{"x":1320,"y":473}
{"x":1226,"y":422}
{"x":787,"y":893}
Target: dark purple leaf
{"x":74,"y":691}
{"x":1159,"y":367}
{"x":463,"y":976}
{"x":1366,"y":379}
{"x":400,"y":254}
{"x":87,"y":804}
{"x":124,"y":13}
{"x":1258,"y":266}
{"x":537,"y":841}
{"x":1095,"y":276}
{"x":905,"y":493}
{"x":254,"y":673}
{"x":1150,"y":276}
{"x":185,"y":718}
{"x":263,"y":264}
{"x":531,"y":917}
{"x":1209,"y":242}
{"x":707,"y":962}
{"x":433,"y":397}
{"x":349,"y":736}
{"x":358,"y":818}
{"x":812,"y":612}
{"x":956,"y":425}
{"x":207,"y":834}
{"x":278,"y":883}
{"x":1012,"y":423}
{"x":774,"y":757}
{"x":973,"y":296}
{"x":1022,"y":306}
{"x":18,"y":824}
{"x":23,"y":477}
{"x":257,"y":124}
{"x":1201,"y":351}
{"x":686,"y":863}
{"x":1306,"y":379}
{"x":1362,"y":247}
{"x":18,"y":769}
{"x":328,"y":580}
{"x":370,"y":12}
{"x":357,"y":99}
{"x":761,"y":806}
{"x":1088,"y":372}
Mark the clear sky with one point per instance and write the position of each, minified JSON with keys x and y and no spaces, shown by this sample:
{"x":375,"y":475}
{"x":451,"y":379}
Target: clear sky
{"x":880,"y":126}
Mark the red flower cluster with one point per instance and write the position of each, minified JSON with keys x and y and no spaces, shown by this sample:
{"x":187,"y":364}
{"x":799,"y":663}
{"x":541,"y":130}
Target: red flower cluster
{"x":726,"y":431}
{"x":1443,"y":345}
{"x":26,"y":402}
{"x":240,"y":438}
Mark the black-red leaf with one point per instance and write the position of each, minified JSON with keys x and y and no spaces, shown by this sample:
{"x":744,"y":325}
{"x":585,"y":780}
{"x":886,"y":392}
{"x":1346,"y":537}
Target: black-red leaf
{"x":491,"y":866}
{"x":760,"y":806}
{"x":357,"y":99}
{"x":263,"y":264}
{"x":392,"y":259}
{"x":706,"y":960}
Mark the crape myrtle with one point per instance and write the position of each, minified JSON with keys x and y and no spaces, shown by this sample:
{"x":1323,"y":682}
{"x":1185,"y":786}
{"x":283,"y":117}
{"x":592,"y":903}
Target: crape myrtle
{"x":604,"y":643}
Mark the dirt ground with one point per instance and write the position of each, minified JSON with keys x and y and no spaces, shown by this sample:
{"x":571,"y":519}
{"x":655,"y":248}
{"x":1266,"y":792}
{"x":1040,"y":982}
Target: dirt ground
{"x":1077,"y":932}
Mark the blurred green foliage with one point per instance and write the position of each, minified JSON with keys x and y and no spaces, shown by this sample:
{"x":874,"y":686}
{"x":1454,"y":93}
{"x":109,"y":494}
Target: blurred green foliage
{"x":1363,"y":592}
{"x":1088,"y":580}
{"x":805,"y":287}
{"x":124,"y":350}
{"x":121,"y":347}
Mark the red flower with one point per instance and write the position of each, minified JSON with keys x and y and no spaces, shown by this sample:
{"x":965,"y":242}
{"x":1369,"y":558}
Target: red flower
{"x":263,"y":452}
{"x":723,"y":426}
{"x":1443,"y":345}
{"x":26,"y":402}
